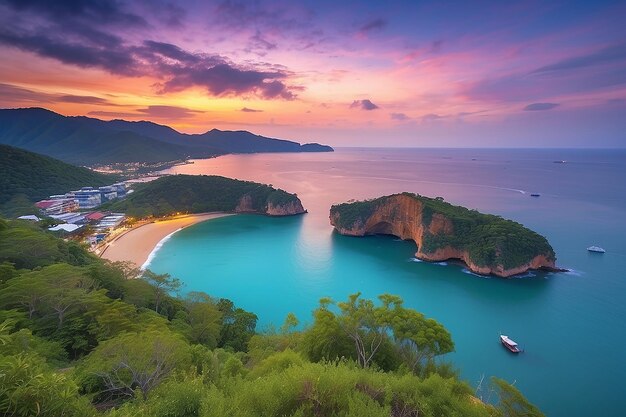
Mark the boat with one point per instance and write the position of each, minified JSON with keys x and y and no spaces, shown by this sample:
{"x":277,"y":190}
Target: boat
{"x":509,"y":344}
{"x":535,"y":194}
{"x":597,"y":249}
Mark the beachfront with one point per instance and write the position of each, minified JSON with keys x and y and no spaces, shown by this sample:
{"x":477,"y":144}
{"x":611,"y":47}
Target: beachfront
{"x":136,"y":244}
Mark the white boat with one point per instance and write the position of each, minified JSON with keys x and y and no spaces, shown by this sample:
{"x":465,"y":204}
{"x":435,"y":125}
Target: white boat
{"x":509,"y":344}
{"x":595,"y":249}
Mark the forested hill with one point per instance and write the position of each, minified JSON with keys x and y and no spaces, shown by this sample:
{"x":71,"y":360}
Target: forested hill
{"x":206,"y":193}
{"x":86,"y":141}
{"x":36,"y":176}
{"x":83,"y":337}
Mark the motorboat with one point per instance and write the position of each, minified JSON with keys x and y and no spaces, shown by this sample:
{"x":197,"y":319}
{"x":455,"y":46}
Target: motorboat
{"x":597,"y":249}
{"x":509,"y":344}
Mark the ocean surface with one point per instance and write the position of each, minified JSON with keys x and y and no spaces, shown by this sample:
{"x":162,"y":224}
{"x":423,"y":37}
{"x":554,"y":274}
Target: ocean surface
{"x":571,"y":325}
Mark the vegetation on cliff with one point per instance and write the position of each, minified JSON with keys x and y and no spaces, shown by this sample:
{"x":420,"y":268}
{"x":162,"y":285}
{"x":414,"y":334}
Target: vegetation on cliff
{"x":198,"y":194}
{"x":80,"y":337}
{"x":488,"y":239}
{"x":26,"y":177}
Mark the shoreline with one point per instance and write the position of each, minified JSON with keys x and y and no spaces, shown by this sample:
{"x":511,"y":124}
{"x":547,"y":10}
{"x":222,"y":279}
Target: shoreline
{"x":140,"y":244}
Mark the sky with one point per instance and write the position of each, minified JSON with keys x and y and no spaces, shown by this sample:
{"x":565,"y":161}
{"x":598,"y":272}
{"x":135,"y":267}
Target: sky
{"x":345,"y":73}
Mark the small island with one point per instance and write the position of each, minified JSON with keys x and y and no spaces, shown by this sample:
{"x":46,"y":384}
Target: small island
{"x":176,"y":194}
{"x":488,"y":244}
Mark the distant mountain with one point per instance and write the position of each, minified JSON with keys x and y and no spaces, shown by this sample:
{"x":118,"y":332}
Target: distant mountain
{"x":85,"y":141}
{"x":27,"y":176}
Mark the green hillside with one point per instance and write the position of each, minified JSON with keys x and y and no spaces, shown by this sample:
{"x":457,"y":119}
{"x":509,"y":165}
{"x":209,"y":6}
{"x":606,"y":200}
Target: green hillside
{"x":33,"y":177}
{"x":199,"y":194}
{"x":82,"y":337}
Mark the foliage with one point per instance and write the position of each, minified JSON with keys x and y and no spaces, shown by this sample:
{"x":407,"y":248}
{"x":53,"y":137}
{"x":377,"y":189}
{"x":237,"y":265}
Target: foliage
{"x":511,"y":401}
{"x":36,"y":177}
{"x":29,"y":387}
{"x":386,"y":334}
{"x":199,"y":194}
{"x":73,"y":335}
{"x":489,"y":240}
{"x":24,"y":245}
{"x":133,"y":361}
{"x":237,"y":326}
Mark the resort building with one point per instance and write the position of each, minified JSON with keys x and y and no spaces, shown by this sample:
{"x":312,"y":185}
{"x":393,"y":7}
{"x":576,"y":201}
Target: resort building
{"x":57,"y":206}
{"x":87,"y":197}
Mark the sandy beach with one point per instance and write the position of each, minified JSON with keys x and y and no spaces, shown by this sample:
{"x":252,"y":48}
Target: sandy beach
{"x":137,"y":244}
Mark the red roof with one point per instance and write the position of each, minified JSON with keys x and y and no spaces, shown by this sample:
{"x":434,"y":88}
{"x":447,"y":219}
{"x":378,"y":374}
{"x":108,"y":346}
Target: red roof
{"x":44,"y":204}
{"x":95,"y":216}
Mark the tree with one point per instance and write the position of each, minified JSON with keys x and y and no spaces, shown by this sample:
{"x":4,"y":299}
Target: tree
{"x":163,"y":284}
{"x":134,"y":361}
{"x":238,"y":326}
{"x":377,"y":330}
{"x":512,"y":402}
{"x":201,"y":320}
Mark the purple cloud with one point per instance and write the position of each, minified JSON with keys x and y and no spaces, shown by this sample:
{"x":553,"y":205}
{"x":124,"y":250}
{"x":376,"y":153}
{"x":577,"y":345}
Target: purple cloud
{"x":399,"y":116}
{"x":249,"y":110}
{"x":605,"y":55}
{"x":540,"y":106}
{"x":19,"y":94}
{"x":177,"y":69}
{"x":363,"y":105}
{"x":373,"y":25}
{"x":431,"y":117}
{"x":169,"y":112}
{"x":121,"y":115}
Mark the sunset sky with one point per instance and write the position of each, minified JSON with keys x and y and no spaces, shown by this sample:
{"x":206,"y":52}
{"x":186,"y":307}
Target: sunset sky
{"x":412,"y":73}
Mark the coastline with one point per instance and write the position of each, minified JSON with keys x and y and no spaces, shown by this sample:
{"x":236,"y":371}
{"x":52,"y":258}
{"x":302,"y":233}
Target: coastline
{"x":140,"y":244}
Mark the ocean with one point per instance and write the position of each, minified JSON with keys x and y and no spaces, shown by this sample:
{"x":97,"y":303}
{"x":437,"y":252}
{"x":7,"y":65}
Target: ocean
{"x":571,"y":325}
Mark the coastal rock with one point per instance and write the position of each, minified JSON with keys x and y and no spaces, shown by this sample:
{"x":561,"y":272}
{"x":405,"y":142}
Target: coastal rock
{"x":432,"y":224}
{"x":289,"y":207}
{"x":286,"y":209}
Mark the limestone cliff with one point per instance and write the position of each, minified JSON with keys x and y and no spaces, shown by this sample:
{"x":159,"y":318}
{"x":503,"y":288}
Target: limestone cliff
{"x":287,"y":207}
{"x":487,"y":244}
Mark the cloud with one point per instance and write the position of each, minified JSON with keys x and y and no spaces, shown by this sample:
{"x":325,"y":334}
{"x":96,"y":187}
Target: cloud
{"x":169,"y":112}
{"x":176,"y":69}
{"x":248,"y":110}
{"x":84,"y":100}
{"x":540,"y":106}
{"x":120,"y":115}
{"x":602,"y":56}
{"x":99,"y":11}
{"x":431,"y":117}
{"x":17,"y":94}
{"x":373,"y":25}
{"x":363,"y":105}
{"x":399,"y":116}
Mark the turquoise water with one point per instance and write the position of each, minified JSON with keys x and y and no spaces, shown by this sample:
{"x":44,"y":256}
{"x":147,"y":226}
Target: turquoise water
{"x":570,"y":324}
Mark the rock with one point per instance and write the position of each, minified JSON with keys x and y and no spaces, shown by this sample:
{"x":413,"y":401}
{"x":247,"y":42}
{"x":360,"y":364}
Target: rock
{"x":487,"y":244}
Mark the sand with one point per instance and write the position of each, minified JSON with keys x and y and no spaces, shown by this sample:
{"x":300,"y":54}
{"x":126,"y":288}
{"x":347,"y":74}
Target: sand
{"x":136,"y":244}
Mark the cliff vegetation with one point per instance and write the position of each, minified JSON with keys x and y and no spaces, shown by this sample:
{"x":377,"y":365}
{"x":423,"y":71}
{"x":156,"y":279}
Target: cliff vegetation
{"x":84,"y":337}
{"x":206,"y":193}
{"x":443,"y":230}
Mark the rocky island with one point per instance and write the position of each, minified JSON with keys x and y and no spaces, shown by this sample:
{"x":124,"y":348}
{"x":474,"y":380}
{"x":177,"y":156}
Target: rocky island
{"x":488,"y":244}
{"x":206,"y":193}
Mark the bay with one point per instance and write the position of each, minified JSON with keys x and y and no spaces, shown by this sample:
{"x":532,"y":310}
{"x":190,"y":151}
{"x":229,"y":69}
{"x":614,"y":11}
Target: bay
{"x":571,"y":325}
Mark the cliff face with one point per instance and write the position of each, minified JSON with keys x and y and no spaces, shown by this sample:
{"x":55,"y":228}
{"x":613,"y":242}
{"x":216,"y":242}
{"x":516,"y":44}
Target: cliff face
{"x":287,"y":208}
{"x":410,"y":218}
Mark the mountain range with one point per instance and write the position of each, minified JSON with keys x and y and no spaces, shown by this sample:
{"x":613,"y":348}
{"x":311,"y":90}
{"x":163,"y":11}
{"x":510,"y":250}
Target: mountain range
{"x":88,"y":141}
